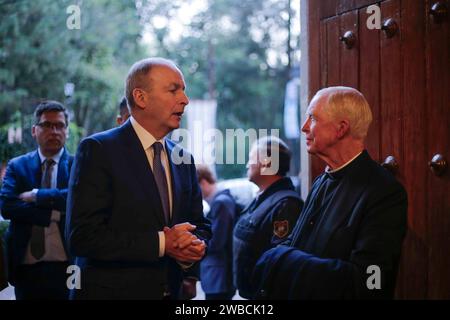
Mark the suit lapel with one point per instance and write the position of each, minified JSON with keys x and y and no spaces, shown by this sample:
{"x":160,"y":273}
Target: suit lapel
{"x":175,"y":180}
{"x":63,"y":171}
{"x":36,"y":170}
{"x":138,"y":161}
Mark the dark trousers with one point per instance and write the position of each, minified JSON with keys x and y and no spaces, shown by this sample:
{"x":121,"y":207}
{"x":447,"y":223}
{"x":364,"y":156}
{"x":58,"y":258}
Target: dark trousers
{"x":42,"y":281}
{"x":219,"y":296}
{"x":3,"y":282}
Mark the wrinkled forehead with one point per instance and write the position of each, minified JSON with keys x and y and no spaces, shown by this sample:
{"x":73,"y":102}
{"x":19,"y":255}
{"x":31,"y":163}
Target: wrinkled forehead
{"x":52,"y":116}
{"x":167,"y":74}
{"x":168,"y":68}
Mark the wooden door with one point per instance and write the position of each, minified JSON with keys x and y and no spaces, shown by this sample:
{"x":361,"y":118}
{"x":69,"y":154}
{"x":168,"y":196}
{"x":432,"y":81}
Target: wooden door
{"x":437,"y":35}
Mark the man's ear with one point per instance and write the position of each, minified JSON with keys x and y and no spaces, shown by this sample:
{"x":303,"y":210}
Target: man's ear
{"x":265,"y":162}
{"x":140,"y":98}
{"x":343,"y":128}
{"x":265,"y":166}
{"x":33,"y":131}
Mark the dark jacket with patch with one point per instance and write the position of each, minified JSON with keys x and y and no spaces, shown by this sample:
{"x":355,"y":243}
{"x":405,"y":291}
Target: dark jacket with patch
{"x":265,"y":223}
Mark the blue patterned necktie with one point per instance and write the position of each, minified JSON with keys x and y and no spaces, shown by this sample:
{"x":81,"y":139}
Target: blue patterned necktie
{"x":37,"y":241}
{"x":161,"y":181}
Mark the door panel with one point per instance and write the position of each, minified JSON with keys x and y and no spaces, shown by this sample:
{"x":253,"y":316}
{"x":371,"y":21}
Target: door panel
{"x":391,"y":88}
{"x":333,"y":52}
{"x":412,"y":280}
{"x":369,"y":80}
{"x":438,"y":103}
{"x":323,"y":54}
{"x":329,"y":8}
{"x":349,"y":57}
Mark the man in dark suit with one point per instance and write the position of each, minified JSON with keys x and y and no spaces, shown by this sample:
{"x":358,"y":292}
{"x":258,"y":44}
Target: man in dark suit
{"x":33,"y":197}
{"x":216,"y":270}
{"x":347,"y":241}
{"x":3,"y":282}
{"x":135,"y":217}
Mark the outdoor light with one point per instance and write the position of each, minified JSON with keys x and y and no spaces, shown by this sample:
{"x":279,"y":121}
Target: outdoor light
{"x":69,"y":88}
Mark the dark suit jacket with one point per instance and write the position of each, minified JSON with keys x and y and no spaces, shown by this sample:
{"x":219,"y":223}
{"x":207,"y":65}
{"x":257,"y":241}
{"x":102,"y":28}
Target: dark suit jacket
{"x":217,"y":267}
{"x":114,"y":214}
{"x":24,"y":174}
{"x":3,"y":282}
{"x":362,"y":225}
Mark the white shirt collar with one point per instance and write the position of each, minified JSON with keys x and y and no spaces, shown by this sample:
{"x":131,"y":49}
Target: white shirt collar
{"x":146,"y":138}
{"x":343,"y":166}
{"x":55,"y":158}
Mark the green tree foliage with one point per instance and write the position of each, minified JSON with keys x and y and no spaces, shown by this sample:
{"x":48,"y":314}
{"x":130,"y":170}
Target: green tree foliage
{"x":234,"y":51}
{"x":39,"y":55}
{"x":227,"y":52}
{"x":109,"y":42}
{"x":34,"y":58}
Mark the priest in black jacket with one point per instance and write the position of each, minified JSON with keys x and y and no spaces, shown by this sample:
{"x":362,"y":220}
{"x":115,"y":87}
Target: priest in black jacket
{"x":347,"y":241}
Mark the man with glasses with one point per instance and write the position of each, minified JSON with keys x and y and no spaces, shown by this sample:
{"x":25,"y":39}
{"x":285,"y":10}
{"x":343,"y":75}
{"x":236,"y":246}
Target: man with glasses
{"x":33,"y":197}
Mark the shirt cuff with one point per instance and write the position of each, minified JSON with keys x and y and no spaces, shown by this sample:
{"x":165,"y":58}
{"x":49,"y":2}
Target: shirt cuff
{"x":162,"y":243}
{"x":56,"y":216}
{"x":34,"y":193}
{"x":185,"y":265}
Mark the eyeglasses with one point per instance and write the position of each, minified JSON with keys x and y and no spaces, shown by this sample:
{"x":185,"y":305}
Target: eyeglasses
{"x":47,"y":125}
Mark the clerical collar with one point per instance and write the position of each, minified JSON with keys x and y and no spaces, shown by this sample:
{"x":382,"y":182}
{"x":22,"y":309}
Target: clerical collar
{"x":338,"y":172}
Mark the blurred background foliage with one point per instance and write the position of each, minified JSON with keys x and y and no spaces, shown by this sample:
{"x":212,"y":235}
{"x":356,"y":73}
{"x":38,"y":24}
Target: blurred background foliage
{"x":240,"y":52}
{"x":39,"y":55}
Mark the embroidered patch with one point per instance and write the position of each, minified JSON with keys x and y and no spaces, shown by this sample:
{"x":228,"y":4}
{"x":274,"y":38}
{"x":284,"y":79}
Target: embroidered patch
{"x":281,"y":228}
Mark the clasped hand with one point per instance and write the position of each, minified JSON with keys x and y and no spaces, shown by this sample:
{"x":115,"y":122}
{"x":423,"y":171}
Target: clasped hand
{"x":28,"y":196}
{"x":182,"y":244}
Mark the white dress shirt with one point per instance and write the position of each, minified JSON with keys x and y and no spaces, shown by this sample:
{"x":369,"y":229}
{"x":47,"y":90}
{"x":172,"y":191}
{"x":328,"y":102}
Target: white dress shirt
{"x":147,"y":140}
{"x":54,"y":248}
{"x":328,"y":169}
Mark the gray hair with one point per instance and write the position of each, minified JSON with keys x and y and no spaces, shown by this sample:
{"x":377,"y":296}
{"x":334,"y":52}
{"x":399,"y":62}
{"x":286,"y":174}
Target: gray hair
{"x":136,"y":77}
{"x":277,"y":151}
{"x":350,"y":104}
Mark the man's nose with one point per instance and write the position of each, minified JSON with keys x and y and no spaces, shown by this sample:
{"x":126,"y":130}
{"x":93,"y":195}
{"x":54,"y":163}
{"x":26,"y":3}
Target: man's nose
{"x":305,"y":127}
{"x":184,"y":99}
